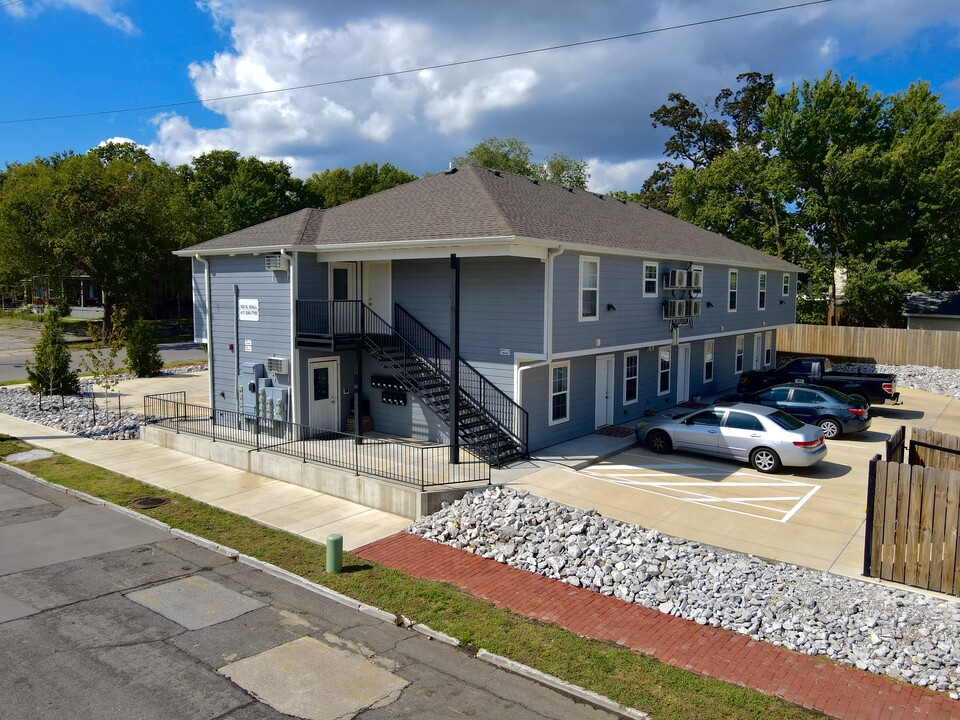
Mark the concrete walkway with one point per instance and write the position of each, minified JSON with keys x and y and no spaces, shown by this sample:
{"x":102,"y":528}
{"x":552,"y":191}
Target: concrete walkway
{"x":813,"y":682}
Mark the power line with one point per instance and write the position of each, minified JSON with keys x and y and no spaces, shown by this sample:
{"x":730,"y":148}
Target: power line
{"x":8,"y":4}
{"x":408,"y":71}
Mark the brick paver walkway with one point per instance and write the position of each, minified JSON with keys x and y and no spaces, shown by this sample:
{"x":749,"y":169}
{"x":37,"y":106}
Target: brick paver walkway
{"x":814,"y":682}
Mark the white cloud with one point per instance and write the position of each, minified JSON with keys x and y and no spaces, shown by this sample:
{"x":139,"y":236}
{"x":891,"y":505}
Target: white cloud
{"x":105,"y":10}
{"x":612,"y":176}
{"x":458,"y":110}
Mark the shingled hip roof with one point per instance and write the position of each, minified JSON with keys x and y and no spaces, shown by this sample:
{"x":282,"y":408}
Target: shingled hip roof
{"x":471,"y":203}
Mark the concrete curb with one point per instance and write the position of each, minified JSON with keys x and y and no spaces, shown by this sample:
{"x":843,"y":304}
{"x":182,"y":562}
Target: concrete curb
{"x":503,"y":663}
{"x":560,"y":685}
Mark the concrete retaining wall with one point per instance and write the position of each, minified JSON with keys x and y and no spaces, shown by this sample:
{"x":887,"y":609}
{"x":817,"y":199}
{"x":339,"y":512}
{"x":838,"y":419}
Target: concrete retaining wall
{"x":377,"y":493}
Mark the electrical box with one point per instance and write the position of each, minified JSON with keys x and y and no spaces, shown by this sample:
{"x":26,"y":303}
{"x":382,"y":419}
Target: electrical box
{"x":250,"y":373}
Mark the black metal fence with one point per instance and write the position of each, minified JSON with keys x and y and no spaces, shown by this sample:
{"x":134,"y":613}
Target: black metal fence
{"x":409,"y":463}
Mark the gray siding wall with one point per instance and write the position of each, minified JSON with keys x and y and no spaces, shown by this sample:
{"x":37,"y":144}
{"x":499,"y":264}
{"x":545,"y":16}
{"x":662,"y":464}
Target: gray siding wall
{"x":501,"y":308}
{"x":312,"y":278}
{"x":637,"y":319}
{"x":270,"y":335}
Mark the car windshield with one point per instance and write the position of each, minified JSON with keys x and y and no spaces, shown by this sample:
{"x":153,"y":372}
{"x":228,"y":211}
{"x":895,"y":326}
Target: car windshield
{"x":785,"y":420}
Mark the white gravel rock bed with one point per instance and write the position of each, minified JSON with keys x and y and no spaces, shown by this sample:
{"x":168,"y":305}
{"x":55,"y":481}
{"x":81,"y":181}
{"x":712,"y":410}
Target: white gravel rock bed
{"x":75,"y":414}
{"x":938,"y":380}
{"x":881,"y":629}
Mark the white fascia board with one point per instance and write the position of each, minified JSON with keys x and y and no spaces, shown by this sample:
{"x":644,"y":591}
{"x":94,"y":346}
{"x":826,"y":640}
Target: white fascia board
{"x":510,"y":246}
{"x":698,"y":259}
{"x":264,"y":250}
{"x":666,"y":340}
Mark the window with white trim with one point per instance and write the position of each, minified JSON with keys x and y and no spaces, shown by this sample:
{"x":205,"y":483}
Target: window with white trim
{"x":738,"y":357}
{"x":762,"y":290}
{"x":732,"y":279}
{"x":631,"y":377}
{"x":786,"y":285}
{"x":768,"y":348}
{"x":708,"y":361}
{"x":650,"y":280}
{"x":663,"y":374}
{"x":589,"y":287}
{"x":559,"y":393}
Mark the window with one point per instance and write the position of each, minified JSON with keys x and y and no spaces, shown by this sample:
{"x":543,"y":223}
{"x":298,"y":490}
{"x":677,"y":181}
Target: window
{"x":786,"y":284}
{"x":757,"y":351}
{"x":767,"y":348}
{"x":589,"y":287}
{"x":711,"y":418}
{"x":650,"y":270}
{"x":708,"y":361}
{"x":663,"y":386}
{"x":774,"y":395}
{"x":559,"y":393}
{"x":631,"y":377}
{"x":738,"y":361}
{"x":810,"y":397}
{"x":732,"y":290}
{"x":762,"y":291}
{"x":742,"y":421}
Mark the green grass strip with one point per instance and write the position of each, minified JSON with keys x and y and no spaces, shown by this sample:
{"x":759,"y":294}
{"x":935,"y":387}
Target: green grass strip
{"x":626,"y":676}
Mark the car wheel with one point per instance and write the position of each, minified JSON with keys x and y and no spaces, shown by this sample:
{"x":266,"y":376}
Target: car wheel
{"x":659,"y":441}
{"x":861,"y":399}
{"x":831,"y":428}
{"x":765,"y":460}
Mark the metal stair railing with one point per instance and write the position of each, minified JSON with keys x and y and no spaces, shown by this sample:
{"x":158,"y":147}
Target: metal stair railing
{"x":511,"y":418}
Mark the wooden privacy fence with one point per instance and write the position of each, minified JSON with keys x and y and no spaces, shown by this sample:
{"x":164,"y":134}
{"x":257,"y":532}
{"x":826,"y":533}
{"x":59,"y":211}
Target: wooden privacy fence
{"x":890,"y":346}
{"x":913,"y":512}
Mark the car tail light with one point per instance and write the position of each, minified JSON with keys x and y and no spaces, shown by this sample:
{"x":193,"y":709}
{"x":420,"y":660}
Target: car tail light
{"x":859,"y":412}
{"x":888,"y":388}
{"x":808,"y":443}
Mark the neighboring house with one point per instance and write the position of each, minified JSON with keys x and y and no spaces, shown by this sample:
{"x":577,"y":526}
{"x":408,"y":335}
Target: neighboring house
{"x":577,"y":311}
{"x":933,"y":311}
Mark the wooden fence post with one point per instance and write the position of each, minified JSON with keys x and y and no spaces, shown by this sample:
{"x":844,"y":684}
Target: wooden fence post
{"x":871,"y":498}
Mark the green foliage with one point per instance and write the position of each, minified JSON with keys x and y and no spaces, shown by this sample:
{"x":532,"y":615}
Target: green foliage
{"x":143,"y":353}
{"x":50,"y":373}
{"x":102,"y":360}
{"x":514,"y":156}
{"x":338,"y":186}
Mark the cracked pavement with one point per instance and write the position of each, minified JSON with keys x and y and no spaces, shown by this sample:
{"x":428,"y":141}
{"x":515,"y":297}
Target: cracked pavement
{"x":103,"y":616}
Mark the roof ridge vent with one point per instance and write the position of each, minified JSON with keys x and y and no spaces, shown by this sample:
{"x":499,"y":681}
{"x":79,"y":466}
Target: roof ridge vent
{"x":534,"y":181}
{"x":599,"y":196}
{"x":497,"y":173}
{"x":568,"y":188}
{"x":450,"y":171}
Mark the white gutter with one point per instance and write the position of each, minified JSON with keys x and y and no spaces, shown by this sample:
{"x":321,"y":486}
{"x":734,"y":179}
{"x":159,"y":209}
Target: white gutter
{"x":209,"y":329}
{"x":547,"y":325}
{"x":294,"y":365}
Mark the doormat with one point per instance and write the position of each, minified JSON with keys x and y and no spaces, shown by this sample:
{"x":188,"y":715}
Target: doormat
{"x":615,"y":431}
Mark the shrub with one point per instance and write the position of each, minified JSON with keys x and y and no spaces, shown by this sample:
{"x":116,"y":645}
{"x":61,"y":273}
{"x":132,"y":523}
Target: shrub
{"x":50,"y":373}
{"x":143,"y":354}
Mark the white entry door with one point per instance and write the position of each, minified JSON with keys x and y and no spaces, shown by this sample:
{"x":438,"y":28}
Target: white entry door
{"x":757,"y":351}
{"x":325,"y":393}
{"x":683,"y":373}
{"x":604,"y":402}
{"x":377,"y":292}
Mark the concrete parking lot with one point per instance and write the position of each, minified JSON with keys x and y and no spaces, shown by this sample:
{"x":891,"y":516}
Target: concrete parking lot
{"x":812,"y":517}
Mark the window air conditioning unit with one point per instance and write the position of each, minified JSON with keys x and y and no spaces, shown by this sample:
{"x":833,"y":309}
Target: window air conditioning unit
{"x":674,"y":309}
{"x":678,"y":278}
{"x":276,"y":262}
{"x":693,"y":308}
{"x":278,"y":365}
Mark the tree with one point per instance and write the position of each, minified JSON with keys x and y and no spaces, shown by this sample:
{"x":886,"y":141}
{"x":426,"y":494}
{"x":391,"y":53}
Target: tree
{"x":338,"y":186}
{"x":562,"y":169}
{"x":143,"y":353}
{"x":101,"y":360}
{"x":50,"y":373}
{"x":514,"y":156}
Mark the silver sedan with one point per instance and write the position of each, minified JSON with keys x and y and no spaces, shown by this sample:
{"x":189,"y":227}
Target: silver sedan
{"x":765,"y":437}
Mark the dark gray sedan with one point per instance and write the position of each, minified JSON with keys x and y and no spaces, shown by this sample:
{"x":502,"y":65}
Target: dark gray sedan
{"x":765,"y":437}
{"x":831,"y":410}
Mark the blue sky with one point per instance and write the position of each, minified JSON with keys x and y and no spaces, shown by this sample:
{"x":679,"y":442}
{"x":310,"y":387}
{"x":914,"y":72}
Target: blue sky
{"x":62,"y":57}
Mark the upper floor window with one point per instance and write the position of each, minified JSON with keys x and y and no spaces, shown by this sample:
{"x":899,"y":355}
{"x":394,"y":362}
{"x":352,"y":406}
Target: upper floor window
{"x":786,"y":284}
{"x":589,"y":287}
{"x":762,"y":291}
{"x":631,"y":377}
{"x":650,"y":270}
{"x":732,"y":279}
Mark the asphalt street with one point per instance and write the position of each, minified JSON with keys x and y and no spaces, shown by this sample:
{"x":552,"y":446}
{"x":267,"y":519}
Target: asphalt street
{"x":16,"y":345}
{"x":103,"y":616}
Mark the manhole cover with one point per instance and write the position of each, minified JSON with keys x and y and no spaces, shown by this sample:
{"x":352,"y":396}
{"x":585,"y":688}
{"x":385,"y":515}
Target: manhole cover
{"x":148,"y":502}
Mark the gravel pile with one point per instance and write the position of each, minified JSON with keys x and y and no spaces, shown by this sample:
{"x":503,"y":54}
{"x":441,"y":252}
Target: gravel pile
{"x":880,"y":629}
{"x":940,"y":381}
{"x":75,"y":413}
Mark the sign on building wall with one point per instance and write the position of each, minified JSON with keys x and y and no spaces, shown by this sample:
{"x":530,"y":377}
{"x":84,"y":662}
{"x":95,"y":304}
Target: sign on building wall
{"x":249,"y":310}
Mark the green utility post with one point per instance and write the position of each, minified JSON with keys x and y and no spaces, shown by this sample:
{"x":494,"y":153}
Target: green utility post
{"x":334,"y":553}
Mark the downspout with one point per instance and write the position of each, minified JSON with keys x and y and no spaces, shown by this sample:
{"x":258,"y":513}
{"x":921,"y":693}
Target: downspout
{"x":294,"y":270}
{"x":547,"y":324}
{"x":208,"y":321}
